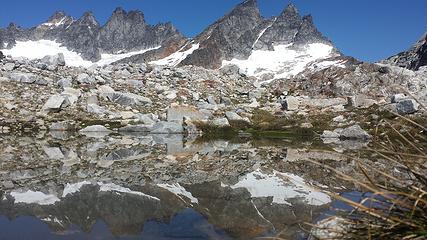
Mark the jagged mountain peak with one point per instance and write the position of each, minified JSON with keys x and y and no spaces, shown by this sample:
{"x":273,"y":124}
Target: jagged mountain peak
{"x":121,"y":14}
{"x":290,"y":10}
{"x":88,"y":19}
{"x":129,"y":31}
{"x":248,"y":8}
{"x":13,"y":26}
{"x":57,"y":15}
{"x":58,"y":19}
{"x":308,"y":33}
{"x":248,"y":3}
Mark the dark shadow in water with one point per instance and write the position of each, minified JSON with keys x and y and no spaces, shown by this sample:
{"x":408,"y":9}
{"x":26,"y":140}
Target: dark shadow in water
{"x":188,"y":224}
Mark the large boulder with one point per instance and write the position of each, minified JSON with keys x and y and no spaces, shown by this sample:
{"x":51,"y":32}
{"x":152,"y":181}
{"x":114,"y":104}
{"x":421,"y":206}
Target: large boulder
{"x":84,"y":78}
{"x":291,"y":103}
{"x":221,"y":122}
{"x":9,"y":66}
{"x":55,"y":103}
{"x":232,"y":116}
{"x":354,"y":132}
{"x":54,"y":60}
{"x":65,"y":82}
{"x":23,"y":77}
{"x":408,"y":106}
{"x":72,"y":94}
{"x":178,"y":113}
{"x":398,"y":97}
{"x":96,"y":109}
{"x":360,"y":101}
{"x":127,"y":99}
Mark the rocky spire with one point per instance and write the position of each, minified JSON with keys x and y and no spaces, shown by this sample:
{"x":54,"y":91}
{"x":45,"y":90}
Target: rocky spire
{"x":290,"y":17}
{"x":88,"y":19}
{"x":58,"y":19}
{"x":229,"y":37}
{"x":308,"y":33}
{"x":281,"y":30}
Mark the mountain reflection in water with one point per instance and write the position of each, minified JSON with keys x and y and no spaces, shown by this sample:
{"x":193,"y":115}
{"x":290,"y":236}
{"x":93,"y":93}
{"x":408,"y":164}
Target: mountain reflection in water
{"x":57,"y":186}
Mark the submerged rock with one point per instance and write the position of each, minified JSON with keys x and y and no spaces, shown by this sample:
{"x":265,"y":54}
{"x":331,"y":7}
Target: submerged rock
{"x":330,"y":228}
{"x":167,"y":128}
{"x":61,"y":126}
{"x":95,"y":128}
{"x":136,"y":128}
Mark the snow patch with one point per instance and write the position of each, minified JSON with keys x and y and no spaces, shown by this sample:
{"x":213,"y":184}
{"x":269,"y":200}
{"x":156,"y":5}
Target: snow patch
{"x":175,"y":58}
{"x":179,"y":190}
{"x":31,"y":197}
{"x":282,"y":187}
{"x":262,"y":32}
{"x":41,"y":48}
{"x":52,"y":220}
{"x":284,"y":61}
{"x":327,"y":63}
{"x":54,"y":24}
{"x":73,"y":188}
{"x":111,"y":187}
{"x":104,"y":187}
{"x":110,"y":58}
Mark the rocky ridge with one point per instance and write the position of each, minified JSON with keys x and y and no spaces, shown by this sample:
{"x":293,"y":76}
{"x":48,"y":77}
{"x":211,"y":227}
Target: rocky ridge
{"x":123,"y":32}
{"x":414,"y":58}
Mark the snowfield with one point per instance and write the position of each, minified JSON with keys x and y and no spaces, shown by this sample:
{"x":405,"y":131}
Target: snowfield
{"x":284,"y":61}
{"x":31,"y":197}
{"x":282,"y":187}
{"x":175,"y":58}
{"x":41,"y":48}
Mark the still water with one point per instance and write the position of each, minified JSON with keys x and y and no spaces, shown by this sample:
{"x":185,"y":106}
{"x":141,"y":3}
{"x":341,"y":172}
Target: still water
{"x":68,"y":186}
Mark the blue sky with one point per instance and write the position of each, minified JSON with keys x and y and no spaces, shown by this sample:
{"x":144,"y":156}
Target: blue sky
{"x":366,"y":29}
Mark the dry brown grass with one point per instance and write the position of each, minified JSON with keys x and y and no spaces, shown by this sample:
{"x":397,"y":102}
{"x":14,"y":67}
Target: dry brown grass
{"x":397,"y":204}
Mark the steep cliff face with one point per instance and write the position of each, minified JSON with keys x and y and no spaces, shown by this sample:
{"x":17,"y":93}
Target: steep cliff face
{"x":127,"y":31}
{"x":230,"y":37}
{"x":82,"y":37}
{"x":414,"y":58}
